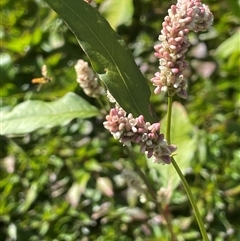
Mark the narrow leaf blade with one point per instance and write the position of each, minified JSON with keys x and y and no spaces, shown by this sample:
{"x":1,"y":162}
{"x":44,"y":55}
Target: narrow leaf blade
{"x":229,"y":46}
{"x":109,"y":56}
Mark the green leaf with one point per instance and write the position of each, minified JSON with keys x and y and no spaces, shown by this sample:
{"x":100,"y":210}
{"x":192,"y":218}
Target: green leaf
{"x":105,"y":186}
{"x":183,"y":134}
{"x":117,"y":12}
{"x":18,"y":44}
{"x":78,"y":188}
{"x":235,"y":7}
{"x":30,"y":198}
{"x":33,"y":114}
{"x":109,"y":56}
{"x":229,"y":46}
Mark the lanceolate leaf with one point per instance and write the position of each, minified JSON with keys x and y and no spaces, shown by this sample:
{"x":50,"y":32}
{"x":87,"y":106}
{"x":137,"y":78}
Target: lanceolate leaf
{"x":108,"y":53}
{"x":33,"y":114}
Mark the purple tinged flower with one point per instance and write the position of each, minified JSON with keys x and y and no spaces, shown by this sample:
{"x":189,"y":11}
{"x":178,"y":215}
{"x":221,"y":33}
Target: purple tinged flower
{"x":185,"y":16}
{"x":129,"y":130}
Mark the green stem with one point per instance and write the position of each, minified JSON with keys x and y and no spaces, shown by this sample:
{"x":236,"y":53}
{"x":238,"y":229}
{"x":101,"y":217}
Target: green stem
{"x":184,"y":181}
{"x":169,"y":117}
{"x":191,"y":199}
{"x":102,"y":105}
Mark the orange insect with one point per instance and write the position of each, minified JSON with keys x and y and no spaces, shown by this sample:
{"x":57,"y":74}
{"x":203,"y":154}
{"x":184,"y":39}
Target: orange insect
{"x":42,"y":80}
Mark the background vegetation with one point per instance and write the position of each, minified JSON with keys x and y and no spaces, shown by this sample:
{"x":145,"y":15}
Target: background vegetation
{"x":66,"y":182}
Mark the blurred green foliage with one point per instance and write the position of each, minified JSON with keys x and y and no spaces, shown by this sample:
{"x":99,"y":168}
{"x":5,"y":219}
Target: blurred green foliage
{"x":65,"y":183}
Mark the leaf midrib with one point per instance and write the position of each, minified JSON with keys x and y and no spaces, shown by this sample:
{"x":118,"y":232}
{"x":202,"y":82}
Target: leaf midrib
{"x":116,"y":66}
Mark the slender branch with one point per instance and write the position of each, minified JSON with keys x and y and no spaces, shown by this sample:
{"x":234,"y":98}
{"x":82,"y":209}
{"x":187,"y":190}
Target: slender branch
{"x":192,"y":201}
{"x":185,"y":184}
{"x":169,"y":116}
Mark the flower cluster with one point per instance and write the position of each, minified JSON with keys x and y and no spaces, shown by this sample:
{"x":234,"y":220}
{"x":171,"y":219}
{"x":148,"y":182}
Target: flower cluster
{"x":87,"y":80}
{"x":135,"y":130}
{"x":185,"y":16}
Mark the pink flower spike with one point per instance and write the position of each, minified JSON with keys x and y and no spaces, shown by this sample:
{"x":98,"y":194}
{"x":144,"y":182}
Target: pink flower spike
{"x":88,"y":80}
{"x":130,"y":130}
{"x":185,"y":16}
